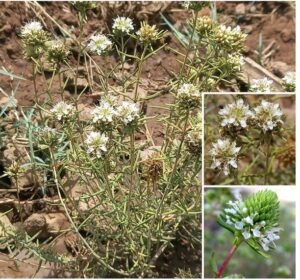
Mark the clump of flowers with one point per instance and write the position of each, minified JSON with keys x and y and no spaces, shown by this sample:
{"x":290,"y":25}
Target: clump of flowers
{"x":229,"y":38}
{"x":188,"y":96}
{"x":104,"y":113}
{"x":99,"y":44}
{"x":148,"y":33}
{"x":289,"y":82}
{"x":254,"y":221}
{"x":236,"y":114}
{"x":62,"y":110}
{"x":128,"y":112}
{"x":236,"y":61}
{"x":96,"y":143}
{"x":204,"y":25}
{"x":56,"y":51}
{"x":123,"y":25}
{"x":262,"y":85}
{"x":34,"y":38}
{"x":268,"y":116}
{"x":47,"y":136}
{"x":224,"y":155}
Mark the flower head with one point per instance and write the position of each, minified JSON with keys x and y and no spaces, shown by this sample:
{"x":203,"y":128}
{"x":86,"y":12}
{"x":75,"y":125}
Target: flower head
{"x":268,"y":116}
{"x":188,"y":96}
{"x":254,"y":220}
{"x":127,"y":112}
{"x":99,"y":44}
{"x":47,"y":136}
{"x":224,"y":155}
{"x":235,"y":61}
{"x":262,"y":85}
{"x":34,"y":39}
{"x":123,"y":25}
{"x":194,"y":137}
{"x":289,"y":81}
{"x":57,"y":51}
{"x":204,"y":25}
{"x":232,"y":39}
{"x":236,"y":114}
{"x":30,"y":28}
{"x":62,"y":110}
{"x":104,"y":113}
{"x":148,"y":33}
{"x":96,"y":143}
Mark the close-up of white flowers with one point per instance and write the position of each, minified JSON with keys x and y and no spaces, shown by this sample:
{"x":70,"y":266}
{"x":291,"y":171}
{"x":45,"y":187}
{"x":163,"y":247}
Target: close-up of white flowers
{"x":268,"y":116}
{"x":224,"y":155}
{"x":261,"y":85}
{"x":96,"y":143}
{"x":103,"y":113}
{"x":122,"y":24}
{"x":244,"y":220}
{"x":31,"y":27}
{"x":99,"y":44}
{"x":236,"y":114}
{"x":127,"y":112}
{"x":62,"y":110}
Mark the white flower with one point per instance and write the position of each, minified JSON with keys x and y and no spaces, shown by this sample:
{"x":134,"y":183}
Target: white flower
{"x":262,"y":85}
{"x":268,"y":116}
{"x":224,"y":155}
{"x":105,"y":113}
{"x":188,"y":96}
{"x":123,"y":24}
{"x":62,"y":110}
{"x":256,"y":232}
{"x":289,"y":81}
{"x":235,"y":114}
{"x":246,"y":234}
{"x":236,"y":61}
{"x":99,"y":44}
{"x":230,"y":211}
{"x":127,"y":112}
{"x":239,"y":225}
{"x":31,"y":27}
{"x":248,"y":220}
{"x":96,"y":143}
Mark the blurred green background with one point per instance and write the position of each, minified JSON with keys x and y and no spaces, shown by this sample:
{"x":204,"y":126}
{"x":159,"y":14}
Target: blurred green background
{"x":246,"y":262}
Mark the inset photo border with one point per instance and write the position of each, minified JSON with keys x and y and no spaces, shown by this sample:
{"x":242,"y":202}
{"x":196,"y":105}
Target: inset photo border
{"x":249,"y":139}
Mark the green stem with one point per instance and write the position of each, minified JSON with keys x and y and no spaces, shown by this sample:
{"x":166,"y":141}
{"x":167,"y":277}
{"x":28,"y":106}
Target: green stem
{"x":268,"y":156}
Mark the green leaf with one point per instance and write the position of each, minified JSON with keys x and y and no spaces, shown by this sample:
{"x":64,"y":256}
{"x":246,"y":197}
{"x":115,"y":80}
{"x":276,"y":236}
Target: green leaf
{"x":4,"y":72}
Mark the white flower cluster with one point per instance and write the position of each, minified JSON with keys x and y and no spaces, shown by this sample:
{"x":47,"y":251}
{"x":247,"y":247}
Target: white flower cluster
{"x":62,"y":110}
{"x":188,"y":95}
{"x":237,"y":216}
{"x":262,"y":85}
{"x":236,"y":61}
{"x":104,"y":113}
{"x":96,"y":143}
{"x":122,"y":24}
{"x":128,"y":112}
{"x":289,"y":81}
{"x":99,"y":44}
{"x":31,"y":27}
{"x":224,"y":155}
{"x":108,"y":111}
{"x":268,"y":116}
{"x":236,"y":114}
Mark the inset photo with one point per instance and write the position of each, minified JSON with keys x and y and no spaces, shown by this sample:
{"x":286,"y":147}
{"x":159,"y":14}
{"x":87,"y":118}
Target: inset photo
{"x":249,"y":139}
{"x":249,"y":232}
